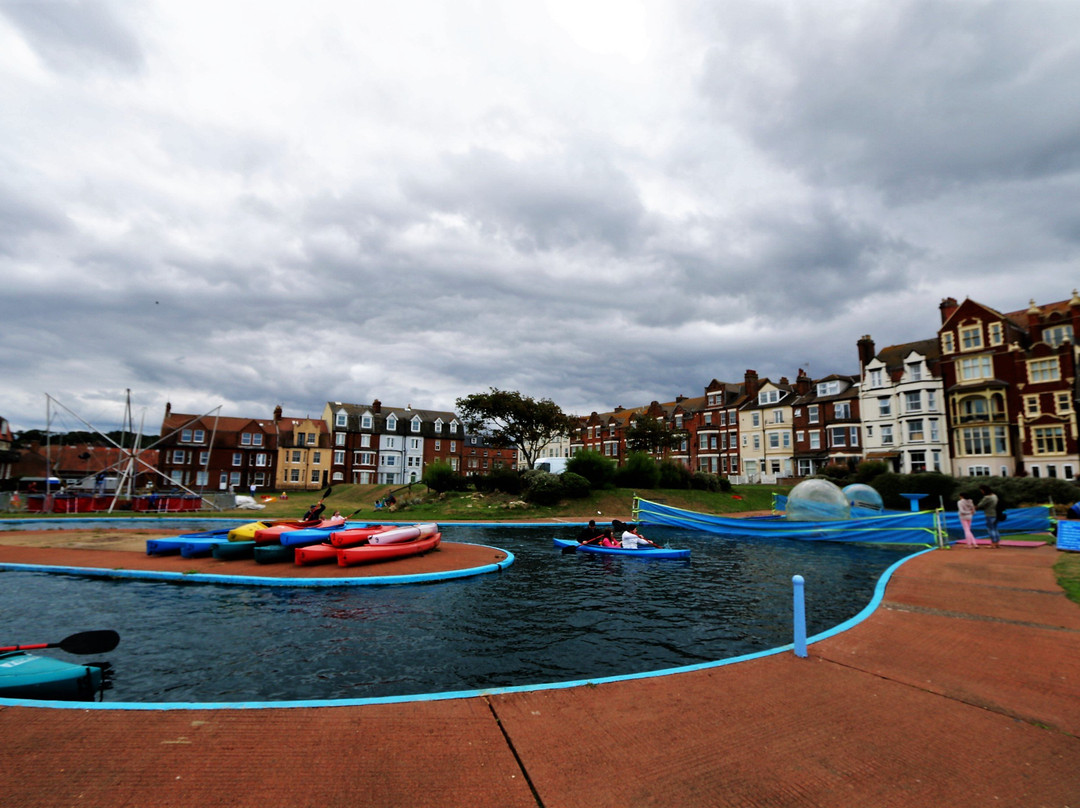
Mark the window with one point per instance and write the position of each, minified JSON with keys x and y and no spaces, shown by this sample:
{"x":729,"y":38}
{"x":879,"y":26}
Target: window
{"x":931,"y":400}
{"x":237,"y":459}
{"x":787,"y":440}
{"x":768,"y":396}
{"x":1049,"y":439}
{"x":757,"y":441}
{"x":915,"y":430}
{"x":708,"y":419}
{"x":391,"y":424}
{"x":948,"y":344}
{"x":416,"y":423}
{"x":774,"y":440}
{"x":918,"y":461}
{"x":1044,"y":370}
{"x":177,"y":457}
{"x":453,"y":427}
{"x":755,"y":419}
{"x":935,"y":431}
{"x":438,"y":445}
{"x":886,"y":435}
{"x":1031,"y":405}
{"x":778,"y":416}
{"x":812,"y":414}
{"x":299,"y":438}
{"x":390,"y":460}
{"x":815,"y":439}
{"x":914,"y":371}
{"x":316,"y":457}
{"x":971,"y":338}
{"x":973,"y":408}
{"x":339,"y":457}
{"x":913,"y":402}
{"x":365,"y":421}
{"x":978,"y":440}
{"x":185,"y":436}
{"x":884,"y":406}
{"x":260,"y":459}
{"x":414,"y":443}
{"x":365,"y":441}
{"x":978,"y":471}
{"x":204,"y":458}
{"x":311,"y":438}
{"x":1057,"y":335}
{"x":842,"y":409}
{"x":341,"y":420}
{"x":995,"y":330}
{"x":1064,"y":402}
{"x":257,"y":439}
{"x":829,"y":388}
{"x":339,"y":439}
{"x":453,"y":446}
{"x":853,"y":436}
{"x":975,"y":367}
{"x":875,"y":378}
{"x":838,"y":436}
{"x":245,"y":438}
{"x":723,"y":419}
{"x":234,"y":478}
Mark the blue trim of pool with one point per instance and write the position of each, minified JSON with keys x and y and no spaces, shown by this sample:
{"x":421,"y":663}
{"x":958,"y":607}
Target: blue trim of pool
{"x":257,"y":580}
{"x":870,"y":608}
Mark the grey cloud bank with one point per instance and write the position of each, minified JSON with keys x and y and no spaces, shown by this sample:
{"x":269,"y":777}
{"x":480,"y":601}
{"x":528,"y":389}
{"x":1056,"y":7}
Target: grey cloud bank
{"x":602,"y":203}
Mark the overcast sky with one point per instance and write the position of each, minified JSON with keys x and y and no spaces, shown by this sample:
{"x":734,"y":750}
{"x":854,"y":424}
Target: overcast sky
{"x":245,"y":204}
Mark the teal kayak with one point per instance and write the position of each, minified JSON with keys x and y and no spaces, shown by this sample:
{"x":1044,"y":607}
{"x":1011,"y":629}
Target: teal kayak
{"x":650,"y":552}
{"x":29,"y":676}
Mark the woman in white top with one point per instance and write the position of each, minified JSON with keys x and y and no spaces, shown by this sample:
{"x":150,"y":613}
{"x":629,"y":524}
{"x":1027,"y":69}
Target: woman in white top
{"x":965,"y":508}
{"x":632,"y":541}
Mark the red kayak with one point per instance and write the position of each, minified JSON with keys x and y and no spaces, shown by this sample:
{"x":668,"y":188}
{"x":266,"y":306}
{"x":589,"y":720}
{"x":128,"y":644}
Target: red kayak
{"x":367,"y":553}
{"x":272,"y":533}
{"x":356,"y":535}
{"x":315,"y":554}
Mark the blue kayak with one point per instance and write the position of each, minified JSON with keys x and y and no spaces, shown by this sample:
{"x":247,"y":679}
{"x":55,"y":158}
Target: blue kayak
{"x":28,"y":676}
{"x":650,"y":552}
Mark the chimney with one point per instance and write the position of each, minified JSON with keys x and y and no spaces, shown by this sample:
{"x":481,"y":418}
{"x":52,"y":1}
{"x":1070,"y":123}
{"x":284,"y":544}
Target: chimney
{"x":277,"y":413}
{"x":866,"y":350}
{"x":1034,"y":316}
{"x":617,"y":409}
{"x":948,"y":308}
{"x":802,"y":383}
{"x":751,"y":382}
{"x":679,"y":399}
{"x":784,"y":380}
{"x":168,"y":408}
{"x":376,"y":405}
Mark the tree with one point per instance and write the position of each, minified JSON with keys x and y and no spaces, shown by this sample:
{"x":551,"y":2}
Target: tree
{"x":652,"y":435}
{"x":508,"y":418}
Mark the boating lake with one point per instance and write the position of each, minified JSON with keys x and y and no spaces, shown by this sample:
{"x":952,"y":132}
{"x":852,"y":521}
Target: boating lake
{"x":549,"y":617}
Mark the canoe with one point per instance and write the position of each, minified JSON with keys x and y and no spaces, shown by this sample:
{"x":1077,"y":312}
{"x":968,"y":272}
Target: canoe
{"x":273,"y":553}
{"x":315,"y":554}
{"x":349,"y":537}
{"x":197,"y":548}
{"x":247,"y":532}
{"x":29,"y":676}
{"x":651,"y":552}
{"x":313,"y":535}
{"x":175,"y":544}
{"x":368,"y":553}
{"x":231,"y":550}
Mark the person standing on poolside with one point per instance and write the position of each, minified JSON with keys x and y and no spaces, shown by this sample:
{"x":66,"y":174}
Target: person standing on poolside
{"x":988,"y":505}
{"x":965,"y":508}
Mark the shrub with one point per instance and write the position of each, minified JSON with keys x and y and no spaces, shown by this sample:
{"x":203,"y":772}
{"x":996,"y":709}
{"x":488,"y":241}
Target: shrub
{"x":937,"y":487}
{"x":543,"y":488}
{"x":440,"y":478}
{"x":506,"y":480}
{"x":574,"y":485}
{"x":867,"y":470}
{"x":640,"y":471}
{"x":673,"y":475}
{"x":594,"y":467}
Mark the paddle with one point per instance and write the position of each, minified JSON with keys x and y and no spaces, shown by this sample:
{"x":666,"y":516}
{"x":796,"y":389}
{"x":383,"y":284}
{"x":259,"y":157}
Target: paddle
{"x":85,"y":642}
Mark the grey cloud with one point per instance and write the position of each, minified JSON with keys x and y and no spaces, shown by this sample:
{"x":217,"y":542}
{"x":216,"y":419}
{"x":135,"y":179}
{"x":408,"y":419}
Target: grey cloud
{"x":74,"y":35}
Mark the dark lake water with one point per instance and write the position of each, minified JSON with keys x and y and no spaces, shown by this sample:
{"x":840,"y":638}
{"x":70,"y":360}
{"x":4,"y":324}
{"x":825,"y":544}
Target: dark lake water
{"x":549,"y":617}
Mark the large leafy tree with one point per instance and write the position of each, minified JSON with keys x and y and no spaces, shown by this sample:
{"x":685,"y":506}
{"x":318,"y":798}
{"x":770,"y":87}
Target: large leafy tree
{"x":652,"y":435}
{"x":508,"y":418}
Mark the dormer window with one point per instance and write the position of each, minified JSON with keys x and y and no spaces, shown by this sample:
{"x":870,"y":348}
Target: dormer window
{"x":341,"y":419}
{"x":768,"y":396}
{"x":829,"y":388}
{"x":453,"y":427}
{"x":971,"y":337}
{"x":416,"y":423}
{"x":365,"y":421}
{"x":438,"y":426}
{"x":948,"y":344}
{"x":391,"y":424}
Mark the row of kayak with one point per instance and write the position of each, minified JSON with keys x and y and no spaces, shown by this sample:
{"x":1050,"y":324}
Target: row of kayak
{"x":347,"y":545}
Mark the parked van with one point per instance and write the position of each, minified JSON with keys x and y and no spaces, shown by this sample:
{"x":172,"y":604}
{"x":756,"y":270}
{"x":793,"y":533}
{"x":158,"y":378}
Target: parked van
{"x":554,"y":465}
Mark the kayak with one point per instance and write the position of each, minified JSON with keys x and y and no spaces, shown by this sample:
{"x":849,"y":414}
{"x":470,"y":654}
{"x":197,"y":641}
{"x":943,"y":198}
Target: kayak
{"x":312,"y":535}
{"x":402,"y":534}
{"x":273,"y":553}
{"x":28,"y":676}
{"x":290,"y":534}
{"x":176,"y":544}
{"x":315,"y":554}
{"x":368,"y":553}
{"x":231,"y":550}
{"x":356,"y":535}
{"x":650,"y":552}
{"x":247,"y":532}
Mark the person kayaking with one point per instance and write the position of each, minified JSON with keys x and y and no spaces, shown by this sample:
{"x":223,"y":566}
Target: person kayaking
{"x":314,"y":512}
{"x":606,"y":540}
{"x":590,"y":533}
{"x":632,"y":540}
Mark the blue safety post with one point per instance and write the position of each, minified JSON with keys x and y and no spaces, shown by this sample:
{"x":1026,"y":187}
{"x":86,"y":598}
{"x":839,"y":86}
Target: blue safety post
{"x":800,"y":616}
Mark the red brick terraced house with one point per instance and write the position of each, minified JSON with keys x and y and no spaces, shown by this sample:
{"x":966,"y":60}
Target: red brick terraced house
{"x":825,"y":417}
{"x":1011,"y":388}
{"x":218,"y":453}
{"x":717,"y":434}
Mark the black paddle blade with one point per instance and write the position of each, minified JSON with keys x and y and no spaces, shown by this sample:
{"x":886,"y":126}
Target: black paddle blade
{"x":571,"y":549}
{"x":90,"y":642}
{"x":329,"y":490}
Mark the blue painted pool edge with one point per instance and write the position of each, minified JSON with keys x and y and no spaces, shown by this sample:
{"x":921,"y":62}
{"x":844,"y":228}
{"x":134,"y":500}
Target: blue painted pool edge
{"x":869,"y":609}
